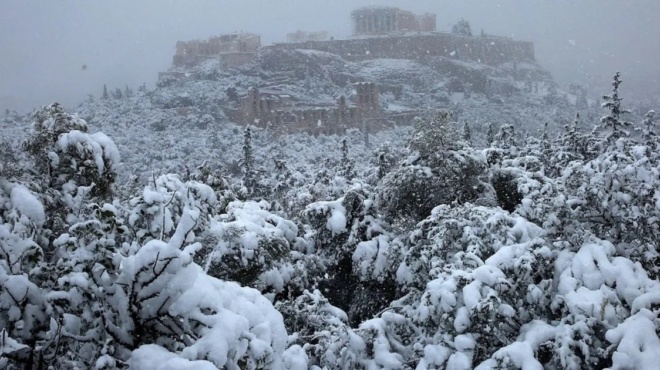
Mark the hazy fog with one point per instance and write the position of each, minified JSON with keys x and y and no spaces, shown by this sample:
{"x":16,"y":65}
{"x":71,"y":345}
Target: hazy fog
{"x":64,"y":49}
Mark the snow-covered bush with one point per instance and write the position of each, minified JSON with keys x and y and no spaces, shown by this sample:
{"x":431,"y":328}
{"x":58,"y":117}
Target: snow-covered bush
{"x":614,"y":196}
{"x":250,"y":244}
{"x":420,"y":184}
{"x":64,"y":152}
{"x":528,"y":254}
{"x":475,"y":275}
{"x":349,"y":235}
{"x":167,"y":304}
{"x":440,"y":171}
{"x":156,"y":210}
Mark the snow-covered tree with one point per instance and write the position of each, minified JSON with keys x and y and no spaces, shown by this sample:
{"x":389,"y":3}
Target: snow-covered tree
{"x":490,"y":134}
{"x":462,"y":27}
{"x":435,"y":135}
{"x":506,"y":139}
{"x":421,"y":252}
{"x":649,"y":135}
{"x":247,"y":161}
{"x":439,"y":172}
{"x":613,"y":123}
{"x":467,"y":133}
{"x":105,"y":95}
{"x":347,"y":164}
{"x":64,"y":153}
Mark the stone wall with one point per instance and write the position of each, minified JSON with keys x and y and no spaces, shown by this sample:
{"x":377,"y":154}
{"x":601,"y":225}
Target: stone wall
{"x":302,"y":36}
{"x":484,"y":49}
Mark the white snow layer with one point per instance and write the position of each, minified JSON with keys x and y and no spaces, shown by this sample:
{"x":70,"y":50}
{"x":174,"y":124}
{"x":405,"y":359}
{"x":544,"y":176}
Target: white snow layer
{"x":27,"y":204}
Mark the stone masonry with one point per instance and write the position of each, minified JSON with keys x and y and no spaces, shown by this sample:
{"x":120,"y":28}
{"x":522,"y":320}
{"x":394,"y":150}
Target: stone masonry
{"x":232,"y":50}
{"x":273,"y":109}
{"x":389,"y":20}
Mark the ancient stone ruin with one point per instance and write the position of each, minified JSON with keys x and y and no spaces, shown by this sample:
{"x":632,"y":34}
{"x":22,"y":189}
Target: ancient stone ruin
{"x":232,"y":50}
{"x":272,"y":108}
{"x":376,"y":20}
{"x":381,"y":32}
{"x":378,"y":33}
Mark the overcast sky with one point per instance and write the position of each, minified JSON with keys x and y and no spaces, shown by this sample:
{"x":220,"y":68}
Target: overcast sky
{"x":45,"y":43}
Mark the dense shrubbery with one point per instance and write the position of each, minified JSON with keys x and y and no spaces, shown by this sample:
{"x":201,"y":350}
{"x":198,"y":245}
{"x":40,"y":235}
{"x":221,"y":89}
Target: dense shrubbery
{"x":534,"y":254}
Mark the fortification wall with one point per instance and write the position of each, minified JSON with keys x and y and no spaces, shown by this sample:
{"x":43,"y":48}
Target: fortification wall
{"x":485,"y":49}
{"x":234,"y":49}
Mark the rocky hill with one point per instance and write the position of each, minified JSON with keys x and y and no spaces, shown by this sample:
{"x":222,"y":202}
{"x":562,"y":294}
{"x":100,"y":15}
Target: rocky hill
{"x":190,"y":110}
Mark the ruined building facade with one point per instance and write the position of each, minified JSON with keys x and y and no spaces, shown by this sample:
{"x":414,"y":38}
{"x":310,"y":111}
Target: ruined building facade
{"x":390,"y":20}
{"x":273,"y":109}
{"x":232,"y":50}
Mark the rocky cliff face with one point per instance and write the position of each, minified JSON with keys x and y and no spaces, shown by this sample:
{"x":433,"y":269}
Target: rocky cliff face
{"x":311,"y":78}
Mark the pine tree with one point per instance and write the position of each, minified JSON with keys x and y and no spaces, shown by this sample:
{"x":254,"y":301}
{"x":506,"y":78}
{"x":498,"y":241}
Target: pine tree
{"x":105,"y":95}
{"x":545,"y":145}
{"x":433,"y":136}
{"x":571,"y":145}
{"x":283,"y":180}
{"x":344,"y":150}
{"x":467,"y":133}
{"x":649,"y":136}
{"x":118,"y":94}
{"x":612,"y":123}
{"x":506,"y":137}
{"x":545,"y":136}
{"x":127,"y":92}
{"x":347,"y":164}
{"x":248,"y":158}
{"x":490,"y":135}
{"x":382,"y":165}
{"x":572,"y":134}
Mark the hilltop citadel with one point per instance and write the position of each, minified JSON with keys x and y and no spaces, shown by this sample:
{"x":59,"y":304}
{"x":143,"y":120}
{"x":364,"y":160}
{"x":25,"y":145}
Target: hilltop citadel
{"x":378,"y":33}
